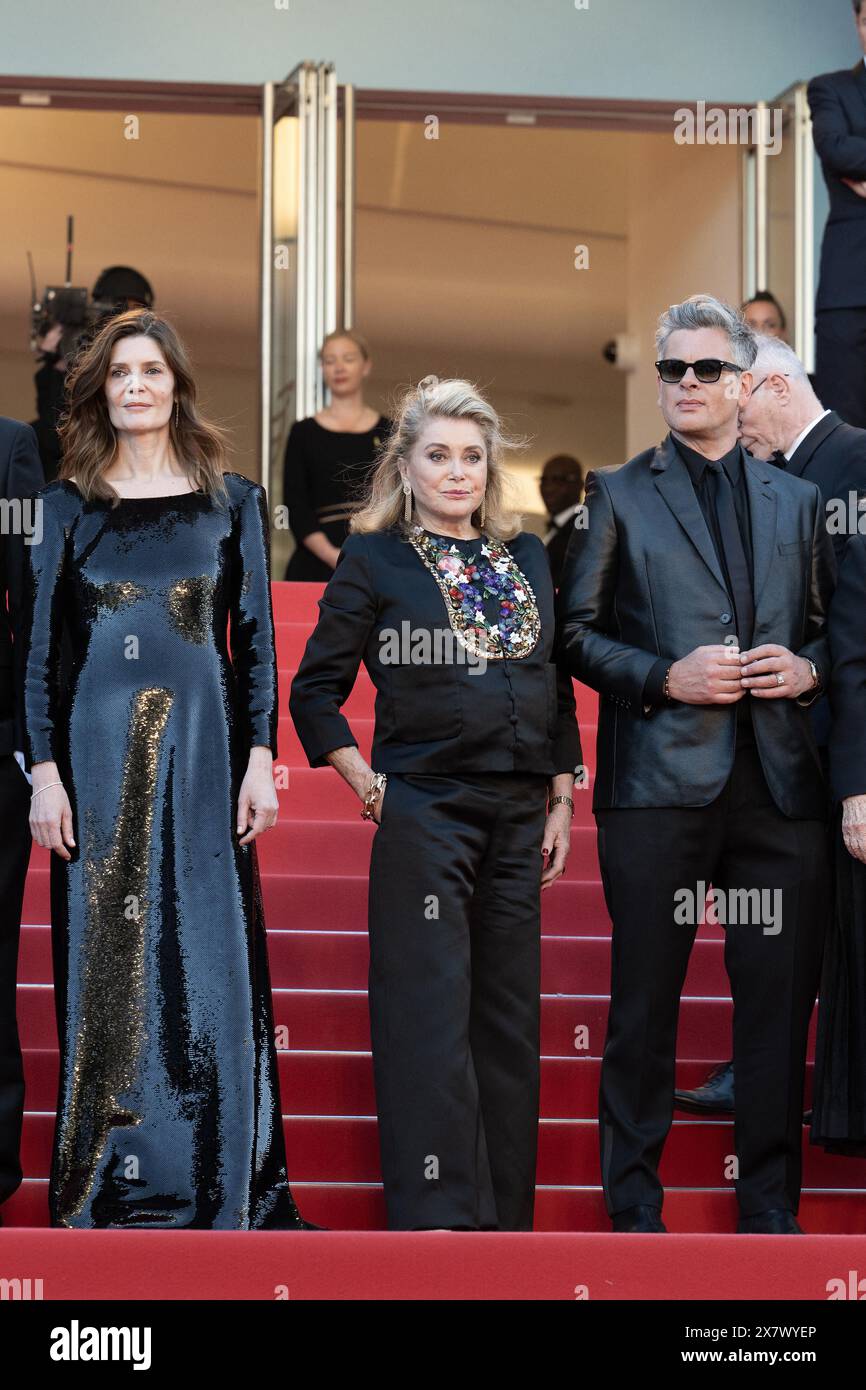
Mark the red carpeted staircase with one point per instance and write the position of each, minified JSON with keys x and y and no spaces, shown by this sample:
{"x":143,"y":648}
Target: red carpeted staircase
{"x":314,"y":866}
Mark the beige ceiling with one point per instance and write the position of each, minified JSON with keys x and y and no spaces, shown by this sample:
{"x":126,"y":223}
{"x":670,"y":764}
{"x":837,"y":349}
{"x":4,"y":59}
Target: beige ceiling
{"x":465,"y":255}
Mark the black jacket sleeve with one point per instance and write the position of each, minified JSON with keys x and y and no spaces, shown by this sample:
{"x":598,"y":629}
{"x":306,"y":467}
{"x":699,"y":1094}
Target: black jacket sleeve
{"x":654,"y":687}
{"x":251,"y":623}
{"x":847,"y":643}
{"x":822,"y":582}
{"x":588,"y":645}
{"x":42,"y":624}
{"x":841,"y":152}
{"x":333,"y":655}
{"x":25,"y":477}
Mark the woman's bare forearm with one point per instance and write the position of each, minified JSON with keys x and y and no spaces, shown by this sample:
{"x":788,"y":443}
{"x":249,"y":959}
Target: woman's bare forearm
{"x":321,"y":547}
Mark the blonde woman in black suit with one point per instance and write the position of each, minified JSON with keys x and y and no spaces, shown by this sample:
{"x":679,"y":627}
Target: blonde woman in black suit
{"x":450,"y":607}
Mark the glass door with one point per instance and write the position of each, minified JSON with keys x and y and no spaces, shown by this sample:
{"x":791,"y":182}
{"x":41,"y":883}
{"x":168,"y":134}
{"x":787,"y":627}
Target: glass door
{"x":778,"y":214}
{"x":307,"y":258}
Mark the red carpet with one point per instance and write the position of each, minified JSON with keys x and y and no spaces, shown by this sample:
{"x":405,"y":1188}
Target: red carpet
{"x":433,"y":1265}
{"x":314,"y":865}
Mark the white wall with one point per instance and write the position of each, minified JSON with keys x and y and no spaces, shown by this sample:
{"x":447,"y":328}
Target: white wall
{"x":181,"y":205}
{"x":739,"y":50}
{"x":684,"y":239}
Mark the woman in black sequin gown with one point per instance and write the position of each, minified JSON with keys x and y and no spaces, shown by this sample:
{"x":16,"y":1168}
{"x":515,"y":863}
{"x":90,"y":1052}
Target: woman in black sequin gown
{"x":152,"y":778}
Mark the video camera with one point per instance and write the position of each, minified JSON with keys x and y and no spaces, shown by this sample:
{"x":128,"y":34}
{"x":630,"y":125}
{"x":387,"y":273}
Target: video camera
{"x":72,"y":307}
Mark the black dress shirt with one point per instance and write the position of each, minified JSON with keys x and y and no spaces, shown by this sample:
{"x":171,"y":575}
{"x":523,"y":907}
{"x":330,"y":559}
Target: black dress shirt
{"x":704,"y":486}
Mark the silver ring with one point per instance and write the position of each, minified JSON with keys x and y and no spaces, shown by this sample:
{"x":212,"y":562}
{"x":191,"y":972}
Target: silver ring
{"x":780,"y":679}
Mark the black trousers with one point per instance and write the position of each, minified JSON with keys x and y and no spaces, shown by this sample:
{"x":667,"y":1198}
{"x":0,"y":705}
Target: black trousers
{"x":648,"y":857}
{"x":454,"y":988}
{"x":15,"y":844}
{"x":840,"y":362}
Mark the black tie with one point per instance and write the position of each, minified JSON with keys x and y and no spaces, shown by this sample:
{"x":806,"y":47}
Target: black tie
{"x":735,"y":555}
{"x":779,"y":459}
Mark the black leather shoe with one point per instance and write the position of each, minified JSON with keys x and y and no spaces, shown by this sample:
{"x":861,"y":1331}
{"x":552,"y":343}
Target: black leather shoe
{"x":638,"y":1219}
{"x":715,"y":1095}
{"x":777,"y":1222}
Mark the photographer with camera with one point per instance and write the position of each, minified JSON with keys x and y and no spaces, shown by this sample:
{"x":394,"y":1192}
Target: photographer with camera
{"x":68,"y":323}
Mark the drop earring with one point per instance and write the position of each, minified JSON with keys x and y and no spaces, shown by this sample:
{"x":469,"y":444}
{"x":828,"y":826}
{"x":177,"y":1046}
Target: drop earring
{"x":176,"y":414}
{"x":481,"y":511}
{"x":407,"y":509}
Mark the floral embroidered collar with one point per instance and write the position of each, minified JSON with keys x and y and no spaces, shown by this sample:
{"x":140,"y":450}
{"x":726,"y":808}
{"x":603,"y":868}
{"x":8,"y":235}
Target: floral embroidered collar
{"x":465,"y":582}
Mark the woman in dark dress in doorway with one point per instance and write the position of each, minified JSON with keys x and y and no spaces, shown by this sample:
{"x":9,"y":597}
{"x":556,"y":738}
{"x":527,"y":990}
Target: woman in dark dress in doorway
{"x":152,"y":778}
{"x":330,"y":458}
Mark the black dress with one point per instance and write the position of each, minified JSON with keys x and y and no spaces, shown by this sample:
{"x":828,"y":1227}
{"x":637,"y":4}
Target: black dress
{"x":325,"y":475}
{"x":168,"y":1110}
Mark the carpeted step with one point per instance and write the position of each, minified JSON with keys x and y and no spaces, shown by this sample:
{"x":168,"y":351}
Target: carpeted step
{"x":339,"y":903}
{"x":338,"y":1020}
{"x":341,"y":1083}
{"x":340,"y":960}
{"x":698,"y":1153}
{"x":763,"y":1265}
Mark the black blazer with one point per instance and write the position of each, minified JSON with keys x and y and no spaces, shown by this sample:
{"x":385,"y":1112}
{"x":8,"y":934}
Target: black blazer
{"x":642,"y":580}
{"x":20,"y":476}
{"x":833,"y":455}
{"x":556,"y":548}
{"x":847,"y":630}
{"x":838,"y":104}
{"x":518,"y":715}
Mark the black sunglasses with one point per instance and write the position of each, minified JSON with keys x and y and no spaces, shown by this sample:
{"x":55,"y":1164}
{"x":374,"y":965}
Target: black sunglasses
{"x":707,"y":369}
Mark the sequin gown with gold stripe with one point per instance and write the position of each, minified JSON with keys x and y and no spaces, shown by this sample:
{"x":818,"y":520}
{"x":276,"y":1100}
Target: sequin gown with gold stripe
{"x":168,"y":1110}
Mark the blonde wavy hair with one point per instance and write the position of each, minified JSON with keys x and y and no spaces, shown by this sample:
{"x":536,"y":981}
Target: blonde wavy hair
{"x":352,"y":335}
{"x":87,"y":435}
{"x":451,"y":399}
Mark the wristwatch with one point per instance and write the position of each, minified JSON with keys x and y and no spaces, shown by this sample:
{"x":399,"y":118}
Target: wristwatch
{"x":816,"y":675}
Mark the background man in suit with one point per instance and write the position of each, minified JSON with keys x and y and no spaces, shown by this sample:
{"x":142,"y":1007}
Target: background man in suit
{"x":784,"y":422}
{"x":20,"y":476}
{"x":838,"y":105}
{"x":695,"y":602}
{"x":561,"y":488}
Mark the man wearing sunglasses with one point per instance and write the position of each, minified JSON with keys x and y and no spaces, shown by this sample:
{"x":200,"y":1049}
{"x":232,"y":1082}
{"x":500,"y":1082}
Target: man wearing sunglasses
{"x":694,"y":601}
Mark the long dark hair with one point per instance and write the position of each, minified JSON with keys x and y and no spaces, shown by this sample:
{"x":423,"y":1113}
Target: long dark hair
{"x":87,"y":435}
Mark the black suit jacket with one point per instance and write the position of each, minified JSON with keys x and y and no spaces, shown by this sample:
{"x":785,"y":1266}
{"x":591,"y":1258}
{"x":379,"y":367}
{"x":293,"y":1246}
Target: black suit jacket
{"x":833,"y":455}
{"x":430,"y":717}
{"x":642,"y":580}
{"x":838,"y":105}
{"x":20,"y":476}
{"x":847,"y":631}
{"x":556,"y":548}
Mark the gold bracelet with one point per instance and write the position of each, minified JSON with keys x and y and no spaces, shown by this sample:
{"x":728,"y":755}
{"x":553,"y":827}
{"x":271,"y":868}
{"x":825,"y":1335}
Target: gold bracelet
{"x":374,"y":791}
{"x":565,"y":800}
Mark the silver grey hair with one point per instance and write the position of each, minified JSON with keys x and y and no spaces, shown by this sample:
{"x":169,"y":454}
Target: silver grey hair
{"x":775,"y":355}
{"x":704,"y":311}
